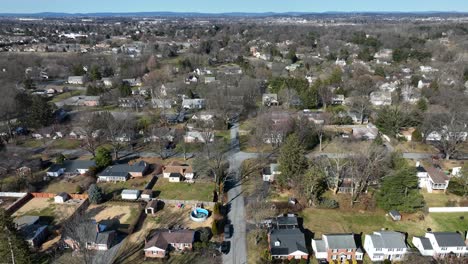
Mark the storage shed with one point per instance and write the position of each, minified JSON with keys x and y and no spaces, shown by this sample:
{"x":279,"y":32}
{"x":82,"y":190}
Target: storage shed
{"x":130,"y":194}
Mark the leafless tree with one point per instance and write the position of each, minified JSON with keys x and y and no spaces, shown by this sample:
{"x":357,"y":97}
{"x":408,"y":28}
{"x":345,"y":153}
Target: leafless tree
{"x":119,"y":131}
{"x":451,"y":128}
{"x":366,"y":166}
{"x":92,"y":137}
{"x":361,"y":106}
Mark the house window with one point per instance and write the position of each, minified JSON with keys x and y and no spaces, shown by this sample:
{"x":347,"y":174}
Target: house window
{"x":348,"y":256}
{"x":350,"y":250}
{"x":443,"y":248}
{"x":390,"y":250}
{"x":334,"y":257}
{"x":378,"y":249}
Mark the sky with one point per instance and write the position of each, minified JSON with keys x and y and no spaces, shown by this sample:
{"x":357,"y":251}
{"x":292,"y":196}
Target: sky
{"x":220,"y":6}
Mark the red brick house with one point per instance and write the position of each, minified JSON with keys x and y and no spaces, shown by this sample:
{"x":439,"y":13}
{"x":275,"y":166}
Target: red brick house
{"x":161,"y":242}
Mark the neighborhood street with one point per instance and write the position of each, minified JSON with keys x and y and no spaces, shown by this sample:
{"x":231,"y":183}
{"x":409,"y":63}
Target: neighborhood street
{"x":236,"y":215}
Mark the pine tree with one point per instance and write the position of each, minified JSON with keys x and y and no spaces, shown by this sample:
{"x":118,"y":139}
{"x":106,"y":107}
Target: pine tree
{"x":103,"y":157}
{"x":12,"y":246}
{"x":292,"y":160}
{"x":94,"y":194}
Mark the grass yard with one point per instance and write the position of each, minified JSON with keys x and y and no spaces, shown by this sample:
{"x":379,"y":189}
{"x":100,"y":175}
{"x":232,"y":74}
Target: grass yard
{"x":415,"y":147}
{"x":64,"y":143}
{"x":322,"y":221}
{"x":257,"y":244}
{"x":46,"y":207}
{"x":201,"y":191}
{"x":338,"y":145}
{"x":137,"y":183}
{"x":67,"y":95}
{"x":32,"y":143}
{"x":442,"y":199}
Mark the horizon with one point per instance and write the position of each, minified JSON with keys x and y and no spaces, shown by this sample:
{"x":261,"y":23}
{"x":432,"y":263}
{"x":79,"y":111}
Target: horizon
{"x":240,"y":6}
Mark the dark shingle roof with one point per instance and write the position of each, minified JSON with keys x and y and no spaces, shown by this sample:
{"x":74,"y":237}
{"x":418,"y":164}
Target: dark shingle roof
{"x":291,"y":240}
{"x":436,"y":175}
{"x":449,"y":239}
{"x":123,"y":170}
{"x":162,"y":238}
{"x":72,"y":165}
{"x":426,"y":243}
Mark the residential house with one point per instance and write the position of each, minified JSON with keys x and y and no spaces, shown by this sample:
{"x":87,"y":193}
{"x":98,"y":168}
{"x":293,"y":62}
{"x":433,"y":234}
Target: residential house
{"x":130,"y":194}
{"x":97,"y":236}
{"x":286,"y":221}
{"x":370,"y":132}
{"x":287,"y":244}
{"x":122,"y":172}
{"x":76,"y":79}
{"x":191,"y":79}
{"x":61,"y":197}
{"x":108,"y":82}
{"x":70,"y":168}
{"x":161,"y":242}
{"x":163,"y":103}
{"x":269,"y":173}
{"x":132,"y":102}
{"x":196,"y":103}
{"x":147,"y":194}
{"x":441,"y":245}
{"x":141,"y":91}
{"x":83,"y":100}
{"x":379,"y":98}
{"x":338,"y":99}
{"x":204,"y":116}
{"x":230,"y":69}
{"x":270,"y":100}
{"x":175,"y":169}
{"x":407,"y":133}
{"x":133,"y":82}
{"x":31,"y":230}
{"x":198,"y":137}
{"x":333,"y":247}
{"x":384,"y":245}
{"x":346,"y":185}
{"x":210,"y":79}
{"x":432,"y":178}
{"x":317,"y":117}
{"x":358,"y":118}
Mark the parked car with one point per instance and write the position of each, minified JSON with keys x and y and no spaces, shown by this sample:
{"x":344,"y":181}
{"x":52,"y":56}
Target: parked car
{"x":227,"y":231}
{"x":225,"y":247}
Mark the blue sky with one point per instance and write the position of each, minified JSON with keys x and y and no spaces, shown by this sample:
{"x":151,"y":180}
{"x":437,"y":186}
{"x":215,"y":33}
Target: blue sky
{"x":217,"y":6}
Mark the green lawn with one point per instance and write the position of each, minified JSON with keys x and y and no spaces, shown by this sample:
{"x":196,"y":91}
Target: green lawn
{"x":66,"y":95}
{"x":201,"y":191}
{"x":441,"y":199}
{"x":64,"y":143}
{"x":322,"y":221}
{"x":137,"y":183}
{"x":58,"y":185}
{"x":32,"y":143}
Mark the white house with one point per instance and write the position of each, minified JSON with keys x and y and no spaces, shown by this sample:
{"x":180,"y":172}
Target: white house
{"x":76,"y":79}
{"x":431,"y":178}
{"x":381,"y":98}
{"x":177,"y":172}
{"x":196,"y":103}
{"x":108,"y":82}
{"x":269,"y":173}
{"x":197,"y":136}
{"x":383,"y":245}
{"x":130,"y":194}
{"x":441,"y":244}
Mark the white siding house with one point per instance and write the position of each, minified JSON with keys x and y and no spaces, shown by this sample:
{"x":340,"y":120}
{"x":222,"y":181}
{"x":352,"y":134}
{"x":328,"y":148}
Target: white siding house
{"x":441,"y":244}
{"x":384,"y":245}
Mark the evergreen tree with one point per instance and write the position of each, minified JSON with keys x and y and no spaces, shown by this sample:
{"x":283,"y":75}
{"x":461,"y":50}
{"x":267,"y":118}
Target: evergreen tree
{"x":292,"y":160}
{"x":399,"y":190}
{"x":94,"y":73}
{"x":95,"y":194}
{"x":12,"y":246}
{"x":103,"y":157}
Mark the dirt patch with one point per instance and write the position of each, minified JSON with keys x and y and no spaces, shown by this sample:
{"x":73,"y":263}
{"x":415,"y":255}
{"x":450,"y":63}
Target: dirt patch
{"x":120,"y":212}
{"x":47,"y":207}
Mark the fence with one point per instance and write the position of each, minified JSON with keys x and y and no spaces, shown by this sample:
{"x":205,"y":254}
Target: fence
{"x":52,"y":195}
{"x":18,"y":203}
{"x":187,"y":202}
{"x":12,"y":194}
{"x":447,"y":209}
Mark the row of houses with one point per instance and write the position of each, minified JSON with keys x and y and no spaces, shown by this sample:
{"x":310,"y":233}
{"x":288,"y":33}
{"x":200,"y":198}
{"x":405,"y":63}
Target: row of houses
{"x":288,"y":241}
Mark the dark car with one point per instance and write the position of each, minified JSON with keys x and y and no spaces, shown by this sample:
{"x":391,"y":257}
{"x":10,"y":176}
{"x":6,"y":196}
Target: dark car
{"x":225,"y":247}
{"x":227,"y":231}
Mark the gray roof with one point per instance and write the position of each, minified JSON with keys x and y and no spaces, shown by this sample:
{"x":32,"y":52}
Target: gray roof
{"x":340,"y":241}
{"x":291,"y":240}
{"x":449,"y":239}
{"x":123,"y":170}
{"x":72,"y":165}
{"x":26,"y":220}
{"x":320,"y":245}
{"x":425,"y":243}
{"x":30,"y":232}
{"x":287,"y":220}
{"x":388,"y":239}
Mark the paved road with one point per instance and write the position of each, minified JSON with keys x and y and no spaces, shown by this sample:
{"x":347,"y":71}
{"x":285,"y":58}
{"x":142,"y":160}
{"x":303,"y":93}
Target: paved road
{"x":236,"y":215}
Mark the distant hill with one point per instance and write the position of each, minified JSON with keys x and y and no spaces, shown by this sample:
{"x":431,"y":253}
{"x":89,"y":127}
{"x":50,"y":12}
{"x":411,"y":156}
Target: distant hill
{"x":232,"y":14}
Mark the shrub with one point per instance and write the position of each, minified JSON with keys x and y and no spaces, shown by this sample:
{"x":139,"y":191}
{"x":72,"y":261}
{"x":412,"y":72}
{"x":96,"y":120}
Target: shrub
{"x":214,"y":228}
{"x":328,"y":203}
{"x":95,"y":194}
{"x":79,"y":189}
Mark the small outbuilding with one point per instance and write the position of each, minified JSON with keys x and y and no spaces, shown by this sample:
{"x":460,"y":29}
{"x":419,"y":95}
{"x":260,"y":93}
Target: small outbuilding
{"x":61,"y":197}
{"x":130,"y":194}
{"x":152,"y":207}
{"x":395,"y":215}
{"x":147,"y":194}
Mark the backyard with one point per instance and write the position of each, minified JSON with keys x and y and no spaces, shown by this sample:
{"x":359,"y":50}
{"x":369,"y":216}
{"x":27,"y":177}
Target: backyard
{"x":199,"y":191}
{"x":46,"y":208}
